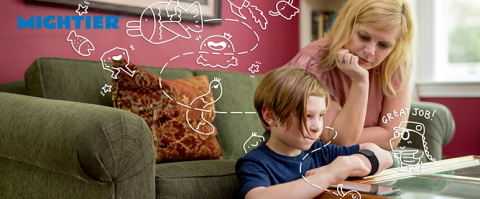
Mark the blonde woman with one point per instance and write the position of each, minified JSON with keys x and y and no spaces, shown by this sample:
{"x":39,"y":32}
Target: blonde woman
{"x":365,"y":62}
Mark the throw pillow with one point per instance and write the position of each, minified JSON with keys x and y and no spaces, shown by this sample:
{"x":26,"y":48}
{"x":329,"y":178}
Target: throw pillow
{"x":179,"y":112}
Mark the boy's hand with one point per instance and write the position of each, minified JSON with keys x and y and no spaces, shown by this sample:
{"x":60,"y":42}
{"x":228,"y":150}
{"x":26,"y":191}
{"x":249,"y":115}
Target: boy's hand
{"x":340,"y":169}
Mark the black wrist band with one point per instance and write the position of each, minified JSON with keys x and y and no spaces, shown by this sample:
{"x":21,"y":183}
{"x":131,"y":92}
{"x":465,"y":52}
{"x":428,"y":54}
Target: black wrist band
{"x":372,"y":158}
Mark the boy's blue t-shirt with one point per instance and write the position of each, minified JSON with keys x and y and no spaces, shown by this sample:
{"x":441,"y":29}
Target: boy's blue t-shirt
{"x":263,"y":167}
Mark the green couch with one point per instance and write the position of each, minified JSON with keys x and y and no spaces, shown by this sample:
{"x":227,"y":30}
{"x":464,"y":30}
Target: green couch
{"x":60,"y":138}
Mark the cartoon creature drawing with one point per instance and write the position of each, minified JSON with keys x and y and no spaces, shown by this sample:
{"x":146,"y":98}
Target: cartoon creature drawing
{"x":236,"y":7}
{"x":349,"y":194}
{"x":410,"y":158}
{"x":217,"y":51}
{"x":214,"y":84}
{"x":80,"y":44}
{"x":285,"y":9}
{"x":253,"y":142}
{"x":158,"y":30}
{"x":116,"y":54}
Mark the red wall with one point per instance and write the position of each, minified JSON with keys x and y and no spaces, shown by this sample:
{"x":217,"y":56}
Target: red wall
{"x":466,"y":140}
{"x":277,"y":44}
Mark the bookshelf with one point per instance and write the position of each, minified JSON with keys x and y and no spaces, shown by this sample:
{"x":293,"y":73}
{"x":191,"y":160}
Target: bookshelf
{"x":313,"y":18}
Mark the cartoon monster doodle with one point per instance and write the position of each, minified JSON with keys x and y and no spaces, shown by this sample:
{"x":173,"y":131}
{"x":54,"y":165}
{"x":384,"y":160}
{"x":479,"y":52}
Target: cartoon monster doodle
{"x":116,"y":54}
{"x":217,"y":50}
{"x":250,"y":144}
{"x":214,"y":84}
{"x":158,"y":30}
{"x":410,"y":158}
{"x":285,"y":9}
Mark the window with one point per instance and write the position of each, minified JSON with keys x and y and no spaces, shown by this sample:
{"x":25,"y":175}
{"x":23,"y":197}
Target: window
{"x":458,"y":34}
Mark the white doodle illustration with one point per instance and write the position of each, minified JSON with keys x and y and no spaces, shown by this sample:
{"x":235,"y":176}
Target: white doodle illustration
{"x":217,"y":51}
{"x":285,"y":9}
{"x":349,"y":194}
{"x":132,"y":47}
{"x":236,"y":7}
{"x":107,"y":88}
{"x":250,"y":144}
{"x":313,"y":151}
{"x":116,"y":54}
{"x":158,"y":30}
{"x":410,"y":158}
{"x":254,"y":68}
{"x":81,"y":10}
{"x":214,"y":84}
{"x":80,"y":44}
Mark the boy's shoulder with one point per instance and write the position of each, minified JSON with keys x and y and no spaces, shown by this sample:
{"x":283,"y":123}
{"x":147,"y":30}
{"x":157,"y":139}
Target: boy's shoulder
{"x":257,"y":153}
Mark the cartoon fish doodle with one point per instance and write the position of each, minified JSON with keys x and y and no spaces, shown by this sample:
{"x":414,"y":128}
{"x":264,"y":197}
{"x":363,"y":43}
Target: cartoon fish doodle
{"x":214,"y":84}
{"x":285,"y":9}
{"x":410,"y":159}
{"x":217,"y":51}
{"x":80,"y":44}
{"x":250,"y":144}
{"x":161,"y":22}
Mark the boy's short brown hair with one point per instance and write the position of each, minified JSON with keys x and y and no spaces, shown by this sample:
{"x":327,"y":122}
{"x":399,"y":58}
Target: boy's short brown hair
{"x":286,"y":89}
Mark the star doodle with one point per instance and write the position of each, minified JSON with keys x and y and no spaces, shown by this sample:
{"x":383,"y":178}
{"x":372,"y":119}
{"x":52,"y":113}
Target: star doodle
{"x":254,"y":68}
{"x":80,"y":7}
{"x":107,"y":88}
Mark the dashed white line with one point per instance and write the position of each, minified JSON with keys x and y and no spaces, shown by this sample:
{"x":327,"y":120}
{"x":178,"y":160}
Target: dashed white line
{"x":202,"y":110}
{"x":246,"y":25}
{"x":183,"y":105}
{"x":175,"y":57}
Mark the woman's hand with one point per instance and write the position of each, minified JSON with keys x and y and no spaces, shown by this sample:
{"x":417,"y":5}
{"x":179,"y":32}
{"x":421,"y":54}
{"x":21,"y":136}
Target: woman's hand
{"x":350,"y":66}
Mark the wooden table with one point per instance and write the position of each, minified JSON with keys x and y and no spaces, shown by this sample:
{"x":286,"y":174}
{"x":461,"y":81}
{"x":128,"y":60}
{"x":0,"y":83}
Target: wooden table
{"x":449,"y":178}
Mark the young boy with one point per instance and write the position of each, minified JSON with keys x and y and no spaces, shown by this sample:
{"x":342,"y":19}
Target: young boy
{"x":293,"y":163}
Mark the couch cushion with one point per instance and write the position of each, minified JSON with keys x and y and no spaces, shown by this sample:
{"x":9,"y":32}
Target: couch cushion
{"x":197,"y":179}
{"x":236,"y":117}
{"x":17,"y":87}
{"x":179,"y":112}
{"x":79,"y":80}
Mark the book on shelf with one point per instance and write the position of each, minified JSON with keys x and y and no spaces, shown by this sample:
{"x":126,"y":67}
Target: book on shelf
{"x":321,"y":23}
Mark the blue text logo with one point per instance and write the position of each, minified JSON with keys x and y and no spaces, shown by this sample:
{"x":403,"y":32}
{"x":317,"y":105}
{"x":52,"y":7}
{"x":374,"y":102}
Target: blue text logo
{"x":65,"y":22}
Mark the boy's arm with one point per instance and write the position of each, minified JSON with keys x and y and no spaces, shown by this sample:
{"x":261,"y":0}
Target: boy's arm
{"x":384,"y":158}
{"x":333,"y":173}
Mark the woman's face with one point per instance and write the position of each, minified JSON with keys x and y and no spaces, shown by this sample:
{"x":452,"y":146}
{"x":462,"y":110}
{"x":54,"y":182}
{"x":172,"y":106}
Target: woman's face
{"x":372,"y":45}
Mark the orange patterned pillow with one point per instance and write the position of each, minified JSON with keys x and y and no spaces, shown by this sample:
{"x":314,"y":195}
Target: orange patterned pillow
{"x":179,"y":112}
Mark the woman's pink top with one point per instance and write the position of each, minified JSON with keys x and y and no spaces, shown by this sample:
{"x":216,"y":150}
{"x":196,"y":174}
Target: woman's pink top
{"x":337,"y":82}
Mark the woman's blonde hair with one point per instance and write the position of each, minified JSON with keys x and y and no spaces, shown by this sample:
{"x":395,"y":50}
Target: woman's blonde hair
{"x":382,"y":14}
{"x":286,"y":89}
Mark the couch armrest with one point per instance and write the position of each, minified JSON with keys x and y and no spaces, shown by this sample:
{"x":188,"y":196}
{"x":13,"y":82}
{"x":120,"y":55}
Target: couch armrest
{"x":439,"y":129}
{"x":90,"y":142}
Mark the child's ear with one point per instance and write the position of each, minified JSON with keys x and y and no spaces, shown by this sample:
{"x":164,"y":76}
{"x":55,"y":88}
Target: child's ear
{"x":269,"y":117}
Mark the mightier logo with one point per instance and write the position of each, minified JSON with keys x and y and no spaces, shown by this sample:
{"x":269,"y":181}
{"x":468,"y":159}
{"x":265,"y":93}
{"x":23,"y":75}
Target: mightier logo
{"x":61,"y":22}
